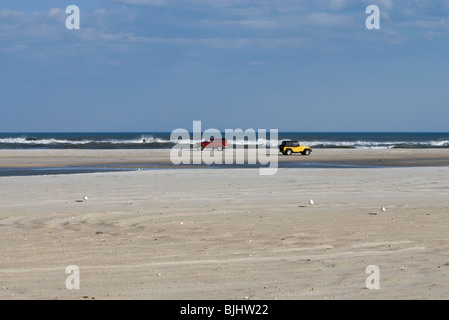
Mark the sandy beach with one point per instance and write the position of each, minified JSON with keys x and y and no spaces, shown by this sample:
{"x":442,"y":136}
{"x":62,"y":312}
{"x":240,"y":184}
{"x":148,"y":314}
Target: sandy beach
{"x":161,"y":157}
{"x":226,"y":234}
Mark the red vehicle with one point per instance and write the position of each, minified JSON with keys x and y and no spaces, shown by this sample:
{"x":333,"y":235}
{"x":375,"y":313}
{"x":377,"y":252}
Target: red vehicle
{"x":218,"y":144}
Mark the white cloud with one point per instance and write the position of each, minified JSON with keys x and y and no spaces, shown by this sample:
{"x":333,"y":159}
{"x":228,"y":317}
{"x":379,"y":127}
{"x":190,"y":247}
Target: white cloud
{"x":442,"y":23}
{"x":250,"y":23}
{"x":142,"y":2}
{"x":382,"y":4}
{"x":236,"y":25}
{"x":101,"y":12}
{"x":11,"y":14}
{"x":388,"y":4}
{"x":327,"y":19}
{"x":55,"y":12}
{"x":15,"y":48}
{"x":211,"y":3}
{"x":337,"y":4}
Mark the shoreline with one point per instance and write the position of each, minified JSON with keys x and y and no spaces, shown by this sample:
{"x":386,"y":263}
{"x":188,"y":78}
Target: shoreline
{"x":159,"y":158}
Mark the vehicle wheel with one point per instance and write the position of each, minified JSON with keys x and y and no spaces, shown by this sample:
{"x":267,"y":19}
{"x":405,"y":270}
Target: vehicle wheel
{"x":306,"y":152}
{"x":288,"y":152}
{"x":202,"y":148}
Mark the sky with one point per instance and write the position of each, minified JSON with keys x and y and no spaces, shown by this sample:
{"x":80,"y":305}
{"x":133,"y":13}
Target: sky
{"x":158,"y":65}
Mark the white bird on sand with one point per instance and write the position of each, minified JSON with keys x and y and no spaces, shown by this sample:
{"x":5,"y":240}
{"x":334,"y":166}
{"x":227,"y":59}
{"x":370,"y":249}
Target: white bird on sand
{"x":85,"y":198}
{"x":311,"y":201}
{"x":383,"y":209}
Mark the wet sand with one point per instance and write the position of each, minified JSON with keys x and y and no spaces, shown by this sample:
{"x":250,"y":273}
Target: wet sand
{"x":135,"y":158}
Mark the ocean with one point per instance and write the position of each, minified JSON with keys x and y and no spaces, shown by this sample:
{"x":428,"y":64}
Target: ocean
{"x":161,"y":140}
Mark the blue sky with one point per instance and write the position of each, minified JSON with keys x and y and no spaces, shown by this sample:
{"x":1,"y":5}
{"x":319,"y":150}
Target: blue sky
{"x":157,"y":65}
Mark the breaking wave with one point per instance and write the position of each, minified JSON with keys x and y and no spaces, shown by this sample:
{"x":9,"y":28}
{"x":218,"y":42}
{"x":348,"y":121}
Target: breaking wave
{"x":163,"y":141}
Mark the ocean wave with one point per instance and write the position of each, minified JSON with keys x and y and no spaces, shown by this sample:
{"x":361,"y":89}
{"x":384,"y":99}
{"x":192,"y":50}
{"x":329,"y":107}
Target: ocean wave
{"x":360,"y":144}
{"x":32,"y":140}
{"x":105,"y":141}
{"x":52,"y":141}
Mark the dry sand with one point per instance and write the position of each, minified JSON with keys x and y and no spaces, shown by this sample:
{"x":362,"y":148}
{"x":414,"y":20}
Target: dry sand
{"x":225,"y":233}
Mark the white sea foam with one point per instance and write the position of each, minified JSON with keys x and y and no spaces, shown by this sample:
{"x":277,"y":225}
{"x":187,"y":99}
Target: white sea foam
{"x":41,"y":141}
{"x":37,"y":141}
{"x":154,"y":140}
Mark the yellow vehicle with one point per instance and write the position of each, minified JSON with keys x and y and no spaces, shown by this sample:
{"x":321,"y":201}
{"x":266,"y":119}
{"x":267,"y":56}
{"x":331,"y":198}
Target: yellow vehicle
{"x":289,"y":147}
